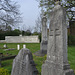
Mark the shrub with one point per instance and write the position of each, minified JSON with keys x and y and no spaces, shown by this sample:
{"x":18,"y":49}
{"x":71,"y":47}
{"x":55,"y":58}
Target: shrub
{"x":40,"y":37}
{"x":4,"y":71}
{"x":71,"y":39}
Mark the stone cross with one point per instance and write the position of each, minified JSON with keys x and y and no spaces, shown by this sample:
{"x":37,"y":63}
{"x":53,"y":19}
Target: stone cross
{"x":44,"y":28}
{"x":44,"y":35}
{"x":57,"y":62}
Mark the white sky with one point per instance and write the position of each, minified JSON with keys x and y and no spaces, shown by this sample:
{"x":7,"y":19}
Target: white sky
{"x":30,"y":11}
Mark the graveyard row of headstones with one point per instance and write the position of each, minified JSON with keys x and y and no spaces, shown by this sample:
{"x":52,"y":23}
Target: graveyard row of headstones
{"x":5,"y":47}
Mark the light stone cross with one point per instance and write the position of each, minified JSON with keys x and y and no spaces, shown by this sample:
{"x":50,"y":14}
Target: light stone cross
{"x":54,"y":32}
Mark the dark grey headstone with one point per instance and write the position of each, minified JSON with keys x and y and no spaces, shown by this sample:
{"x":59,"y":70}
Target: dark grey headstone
{"x":57,"y":62}
{"x":23,"y":64}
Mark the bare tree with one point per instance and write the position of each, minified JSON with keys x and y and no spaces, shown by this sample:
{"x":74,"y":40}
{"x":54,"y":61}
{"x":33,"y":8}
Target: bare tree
{"x":9,"y":13}
{"x":38,"y":22}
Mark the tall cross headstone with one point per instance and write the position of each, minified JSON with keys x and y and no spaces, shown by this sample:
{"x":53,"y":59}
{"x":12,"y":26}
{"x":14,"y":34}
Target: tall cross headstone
{"x":57,"y":62}
{"x":44,"y":35}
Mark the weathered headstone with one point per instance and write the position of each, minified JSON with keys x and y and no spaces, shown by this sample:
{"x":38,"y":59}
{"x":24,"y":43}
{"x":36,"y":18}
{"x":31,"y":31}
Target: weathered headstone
{"x":18,"y":47}
{"x":57,"y":62}
{"x":23,"y":64}
{"x":43,"y":45}
{"x":24,"y":46}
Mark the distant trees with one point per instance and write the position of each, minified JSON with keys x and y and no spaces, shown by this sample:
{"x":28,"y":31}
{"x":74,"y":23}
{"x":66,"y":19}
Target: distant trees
{"x":47,"y":6}
{"x":15,"y":32}
{"x":38,"y":25}
{"x":26,"y":33}
{"x":9,"y":13}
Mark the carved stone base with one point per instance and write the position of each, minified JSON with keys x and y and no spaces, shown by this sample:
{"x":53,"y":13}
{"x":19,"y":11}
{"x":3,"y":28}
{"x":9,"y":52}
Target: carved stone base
{"x":40,"y":53}
{"x":43,"y":46}
{"x":68,"y":72}
{"x":50,"y":68}
{"x":43,"y":50}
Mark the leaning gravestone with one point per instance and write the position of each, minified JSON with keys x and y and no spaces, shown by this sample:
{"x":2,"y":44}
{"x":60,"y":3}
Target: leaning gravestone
{"x":23,"y":64}
{"x":57,"y":62}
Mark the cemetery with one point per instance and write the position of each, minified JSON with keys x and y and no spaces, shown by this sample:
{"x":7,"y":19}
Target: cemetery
{"x":26,"y":55}
{"x":7,"y":64}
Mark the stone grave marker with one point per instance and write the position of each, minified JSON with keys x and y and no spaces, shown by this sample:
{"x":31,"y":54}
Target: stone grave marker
{"x":57,"y":62}
{"x":24,"y":46}
{"x":9,"y":49}
{"x":5,"y":46}
{"x":44,"y":42}
{"x":18,"y":47}
{"x":23,"y":63}
{"x":43,"y":45}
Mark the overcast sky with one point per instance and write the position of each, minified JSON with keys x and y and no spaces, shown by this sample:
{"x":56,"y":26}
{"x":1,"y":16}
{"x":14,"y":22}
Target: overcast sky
{"x":30,"y":11}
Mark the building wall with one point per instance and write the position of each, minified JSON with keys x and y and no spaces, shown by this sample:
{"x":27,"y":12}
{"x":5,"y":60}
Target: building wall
{"x":21,"y":39}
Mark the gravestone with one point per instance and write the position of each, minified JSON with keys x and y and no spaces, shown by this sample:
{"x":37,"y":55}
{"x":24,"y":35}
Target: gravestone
{"x":18,"y":47}
{"x":24,"y":46}
{"x":44,"y":42}
{"x":5,"y":46}
{"x":43,"y":45}
{"x":23,"y":64}
{"x":9,"y":49}
{"x":57,"y":62}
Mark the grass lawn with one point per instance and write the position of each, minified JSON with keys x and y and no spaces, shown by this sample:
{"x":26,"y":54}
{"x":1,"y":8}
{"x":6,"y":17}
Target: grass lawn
{"x":38,"y":60}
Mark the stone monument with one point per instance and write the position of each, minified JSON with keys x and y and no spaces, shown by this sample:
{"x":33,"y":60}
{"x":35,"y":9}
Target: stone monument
{"x":18,"y":47}
{"x":57,"y":62}
{"x":44,"y":42}
{"x":23,"y":64}
{"x":43,"y":45}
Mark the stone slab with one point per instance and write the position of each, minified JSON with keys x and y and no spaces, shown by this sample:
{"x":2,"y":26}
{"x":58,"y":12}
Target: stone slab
{"x":23,"y":64}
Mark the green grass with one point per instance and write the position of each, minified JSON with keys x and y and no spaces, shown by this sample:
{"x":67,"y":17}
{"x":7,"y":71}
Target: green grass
{"x":38,"y":60}
{"x":71,"y":57}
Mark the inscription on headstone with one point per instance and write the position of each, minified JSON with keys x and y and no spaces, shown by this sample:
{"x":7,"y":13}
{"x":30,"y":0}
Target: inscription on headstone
{"x":57,"y":62}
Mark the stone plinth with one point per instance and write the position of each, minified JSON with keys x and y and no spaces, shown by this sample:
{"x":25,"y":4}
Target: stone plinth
{"x":57,"y":62}
{"x":43,"y":47}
